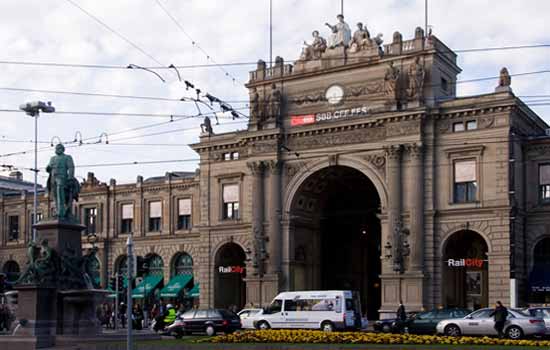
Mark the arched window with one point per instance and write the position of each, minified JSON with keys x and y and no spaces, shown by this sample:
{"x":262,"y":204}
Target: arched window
{"x":183,"y":264}
{"x":12,"y":271}
{"x":155,"y":265}
{"x":122,"y":265}
{"x":542,"y":251}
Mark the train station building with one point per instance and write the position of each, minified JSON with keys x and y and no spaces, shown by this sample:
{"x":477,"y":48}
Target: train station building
{"x":360,"y":169}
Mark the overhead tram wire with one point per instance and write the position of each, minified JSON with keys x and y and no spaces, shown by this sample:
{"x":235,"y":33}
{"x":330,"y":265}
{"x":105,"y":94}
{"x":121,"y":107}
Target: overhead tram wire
{"x":228,"y":64}
{"x":208,"y":56}
{"x":187,"y":99}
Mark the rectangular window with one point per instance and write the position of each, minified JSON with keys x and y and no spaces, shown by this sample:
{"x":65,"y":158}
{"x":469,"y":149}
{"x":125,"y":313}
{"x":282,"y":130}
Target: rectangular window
{"x":127,"y":218}
{"x":38,"y":219}
{"x":544,"y":182}
{"x":13,"y":222}
{"x":184,"y":214}
{"x":471,"y":125}
{"x":227,"y":156}
{"x":90,"y":219}
{"x":155,"y":214}
{"x":457,"y":127}
{"x":465,"y":181}
{"x":235,"y":155}
{"x":444,"y":84}
{"x":230,"y":202}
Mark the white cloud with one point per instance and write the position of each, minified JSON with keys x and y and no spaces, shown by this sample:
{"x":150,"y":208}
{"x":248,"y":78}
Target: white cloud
{"x":230,"y":31}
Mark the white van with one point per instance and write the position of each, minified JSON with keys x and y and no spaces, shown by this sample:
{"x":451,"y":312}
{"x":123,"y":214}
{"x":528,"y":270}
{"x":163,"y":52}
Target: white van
{"x":325,"y":310}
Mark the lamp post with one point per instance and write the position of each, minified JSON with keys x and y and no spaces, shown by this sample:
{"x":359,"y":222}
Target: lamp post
{"x":33,"y":109}
{"x":130,"y":253}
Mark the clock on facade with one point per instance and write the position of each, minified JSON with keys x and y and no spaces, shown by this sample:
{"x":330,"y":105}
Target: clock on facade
{"x":334,"y":94}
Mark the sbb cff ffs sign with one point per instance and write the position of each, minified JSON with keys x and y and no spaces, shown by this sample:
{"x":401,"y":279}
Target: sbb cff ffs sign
{"x":231,"y":269}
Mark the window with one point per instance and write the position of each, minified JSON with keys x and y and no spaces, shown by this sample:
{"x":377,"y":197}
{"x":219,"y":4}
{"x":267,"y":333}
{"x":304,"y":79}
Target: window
{"x":227,"y":156}
{"x":444,"y":84}
{"x":544,"y":182}
{"x":155,"y":213}
{"x":90,"y":218}
{"x":482,"y":314}
{"x":13,"y":222}
{"x":235,"y":155}
{"x":471,"y":125}
{"x":183,"y":264}
{"x":457,"y":127}
{"x":230,"y":202}
{"x":184,"y":214}
{"x":127,"y":218}
{"x":231,"y":156}
{"x":275,"y":307}
{"x":465,"y":184}
{"x":32,"y":222}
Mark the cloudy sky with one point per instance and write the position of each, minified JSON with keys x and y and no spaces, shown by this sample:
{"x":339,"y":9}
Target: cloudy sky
{"x":210,"y":31}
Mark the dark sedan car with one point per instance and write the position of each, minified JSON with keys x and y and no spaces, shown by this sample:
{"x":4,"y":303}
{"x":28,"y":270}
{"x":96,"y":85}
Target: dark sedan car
{"x":210,"y":321}
{"x":387,"y":325}
{"x":425,"y":322}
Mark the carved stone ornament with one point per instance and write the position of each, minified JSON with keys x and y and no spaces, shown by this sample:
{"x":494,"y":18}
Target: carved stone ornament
{"x":292,"y":169}
{"x":256,"y":168}
{"x":393,"y":151}
{"x":333,"y":159}
{"x":273,"y":166}
{"x":415,"y":150}
{"x":378,"y":160}
{"x":342,"y":138}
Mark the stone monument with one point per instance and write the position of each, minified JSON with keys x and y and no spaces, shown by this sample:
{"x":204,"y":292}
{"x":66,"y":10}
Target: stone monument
{"x":56,"y":298}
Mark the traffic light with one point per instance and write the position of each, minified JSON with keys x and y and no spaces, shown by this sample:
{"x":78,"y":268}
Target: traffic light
{"x":112,"y":283}
{"x":121,"y":284}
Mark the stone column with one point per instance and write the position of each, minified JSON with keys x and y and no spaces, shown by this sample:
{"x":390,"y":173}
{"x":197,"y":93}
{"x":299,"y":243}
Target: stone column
{"x":274,"y":210}
{"x":257,"y":171}
{"x":393,"y":155}
{"x":416,"y":207}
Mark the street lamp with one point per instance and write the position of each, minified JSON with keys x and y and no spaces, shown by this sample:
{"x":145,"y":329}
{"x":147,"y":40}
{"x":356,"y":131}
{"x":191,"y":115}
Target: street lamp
{"x":33,"y":109}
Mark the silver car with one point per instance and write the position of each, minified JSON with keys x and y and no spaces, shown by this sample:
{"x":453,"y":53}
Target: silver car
{"x":480,"y":322}
{"x":542,"y":312}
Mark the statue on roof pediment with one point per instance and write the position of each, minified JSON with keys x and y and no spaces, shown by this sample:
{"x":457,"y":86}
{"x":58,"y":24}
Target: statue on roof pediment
{"x":341,"y":33}
{"x":315,"y":50}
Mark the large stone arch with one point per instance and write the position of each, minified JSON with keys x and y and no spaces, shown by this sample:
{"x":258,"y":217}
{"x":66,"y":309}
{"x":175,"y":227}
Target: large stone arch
{"x":477,"y":227}
{"x":349,"y":161}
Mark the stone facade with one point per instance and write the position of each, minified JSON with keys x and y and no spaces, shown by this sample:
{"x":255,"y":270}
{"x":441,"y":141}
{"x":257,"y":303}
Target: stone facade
{"x":406,"y":144}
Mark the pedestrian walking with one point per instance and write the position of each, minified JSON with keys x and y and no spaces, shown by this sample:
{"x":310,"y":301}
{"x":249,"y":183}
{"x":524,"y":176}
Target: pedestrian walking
{"x":499,"y":314}
{"x":137,"y":317}
{"x":401,"y":317}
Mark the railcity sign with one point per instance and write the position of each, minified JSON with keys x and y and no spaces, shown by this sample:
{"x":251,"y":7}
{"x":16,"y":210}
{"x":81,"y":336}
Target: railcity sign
{"x":231,"y":269}
{"x":465,"y":262}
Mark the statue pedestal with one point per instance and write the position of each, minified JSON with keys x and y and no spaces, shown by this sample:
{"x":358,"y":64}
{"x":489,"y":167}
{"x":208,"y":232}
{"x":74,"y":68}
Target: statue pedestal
{"x":63,"y":237}
{"x":37,"y":310}
{"x":77,"y":309}
{"x":334,"y":57}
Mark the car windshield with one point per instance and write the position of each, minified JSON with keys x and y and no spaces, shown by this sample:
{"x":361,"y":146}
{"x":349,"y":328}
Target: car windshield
{"x":227,"y":314}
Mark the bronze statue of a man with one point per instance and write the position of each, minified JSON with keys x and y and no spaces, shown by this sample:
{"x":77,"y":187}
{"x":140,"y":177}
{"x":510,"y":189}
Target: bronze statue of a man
{"x":62,"y":184}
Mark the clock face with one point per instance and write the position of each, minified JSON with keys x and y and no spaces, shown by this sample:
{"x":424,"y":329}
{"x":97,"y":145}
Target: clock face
{"x":334,"y":94}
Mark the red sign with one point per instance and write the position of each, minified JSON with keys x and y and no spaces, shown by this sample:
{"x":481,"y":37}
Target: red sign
{"x":297,"y":120}
{"x":231,"y":269}
{"x":465,"y":262}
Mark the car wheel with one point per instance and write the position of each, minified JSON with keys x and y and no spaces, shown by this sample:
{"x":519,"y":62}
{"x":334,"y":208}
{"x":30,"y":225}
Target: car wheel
{"x":178,"y":335}
{"x":210,"y":331}
{"x":327,"y":326}
{"x":514,"y":332}
{"x":452,"y":330}
{"x":263,"y":325}
{"x":386,"y":328}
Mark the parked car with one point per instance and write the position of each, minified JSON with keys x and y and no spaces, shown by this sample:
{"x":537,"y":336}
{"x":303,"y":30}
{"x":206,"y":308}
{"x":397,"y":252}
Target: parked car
{"x":541,"y":312}
{"x":425,"y":322}
{"x":247,"y":317}
{"x":387,"y":325}
{"x":325,"y":310}
{"x":480,"y":322}
{"x":210,"y":321}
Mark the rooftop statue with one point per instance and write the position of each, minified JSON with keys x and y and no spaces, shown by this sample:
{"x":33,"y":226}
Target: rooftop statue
{"x":62,"y":184}
{"x":341,"y":34}
{"x":314,"y":50}
{"x":505,"y":78}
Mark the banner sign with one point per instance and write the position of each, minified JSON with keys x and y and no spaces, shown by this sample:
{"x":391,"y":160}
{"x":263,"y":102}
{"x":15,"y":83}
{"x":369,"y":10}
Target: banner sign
{"x":306,"y":119}
{"x":465,"y":262}
{"x":231,"y":269}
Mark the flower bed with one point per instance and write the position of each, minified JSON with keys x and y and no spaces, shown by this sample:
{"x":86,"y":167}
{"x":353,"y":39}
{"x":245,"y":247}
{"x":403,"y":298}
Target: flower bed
{"x":319,"y":337}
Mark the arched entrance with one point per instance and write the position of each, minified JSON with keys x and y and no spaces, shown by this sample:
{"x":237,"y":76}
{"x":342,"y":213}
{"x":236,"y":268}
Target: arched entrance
{"x":183,"y":265}
{"x":230,"y":288}
{"x":12,"y":271}
{"x":335,"y":241}
{"x":539,"y":276}
{"x":154,"y":265}
{"x":465,"y":271}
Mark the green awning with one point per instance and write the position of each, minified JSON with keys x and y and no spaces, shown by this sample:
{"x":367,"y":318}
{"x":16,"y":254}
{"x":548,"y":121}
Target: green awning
{"x":176,"y":284}
{"x":112,"y":295}
{"x":195,"y":292}
{"x":148,"y":284}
